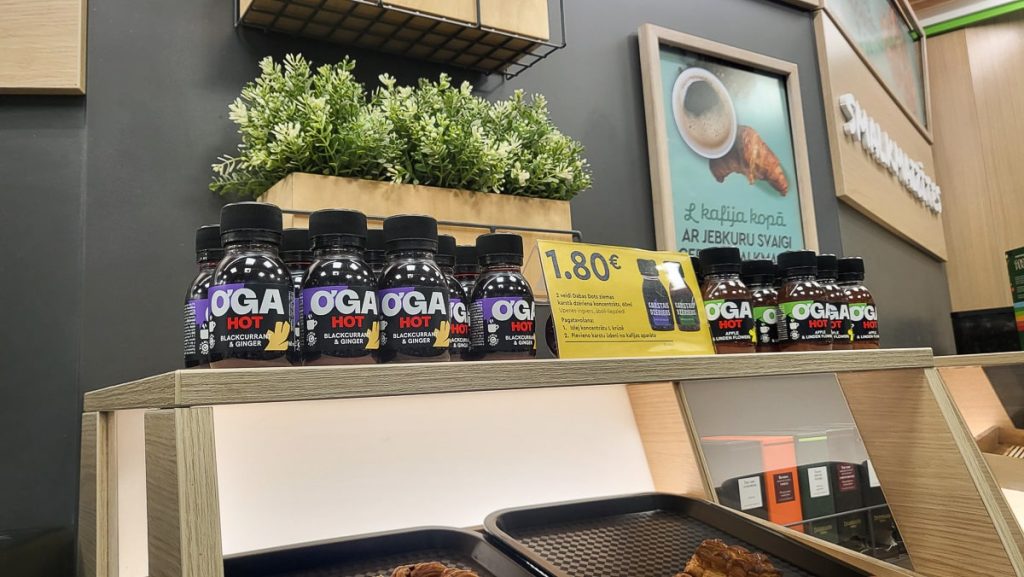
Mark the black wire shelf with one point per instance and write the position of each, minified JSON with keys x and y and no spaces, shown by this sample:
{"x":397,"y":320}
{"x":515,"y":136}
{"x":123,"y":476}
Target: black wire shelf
{"x":385,"y":27}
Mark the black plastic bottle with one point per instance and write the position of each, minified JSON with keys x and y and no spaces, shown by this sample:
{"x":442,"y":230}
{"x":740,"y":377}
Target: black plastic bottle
{"x":375,"y":255}
{"x":250,"y":299}
{"x":297,"y":256}
{"x":340,"y":317}
{"x":458,"y":302}
{"x":502,"y":312}
{"x":197,"y":301}
{"x":656,"y":300}
{"x":467,"y":267}
{"x":412,"y":293}
{"x":684,"y":304}
{"x":759,"y":278}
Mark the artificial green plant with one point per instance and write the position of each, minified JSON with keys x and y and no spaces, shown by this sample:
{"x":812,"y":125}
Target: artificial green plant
{"x":296,"y":119}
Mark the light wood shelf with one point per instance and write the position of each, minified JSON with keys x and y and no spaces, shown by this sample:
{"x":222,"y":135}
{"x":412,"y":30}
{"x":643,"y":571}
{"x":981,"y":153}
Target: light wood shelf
{"x":887,"y":391}
{"x":981,"y":360}
{"x":193,"y":387}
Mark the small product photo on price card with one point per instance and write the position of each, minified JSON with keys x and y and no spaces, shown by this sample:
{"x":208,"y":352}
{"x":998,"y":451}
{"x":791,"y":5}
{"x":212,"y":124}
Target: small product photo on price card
{"x":610,"y":301}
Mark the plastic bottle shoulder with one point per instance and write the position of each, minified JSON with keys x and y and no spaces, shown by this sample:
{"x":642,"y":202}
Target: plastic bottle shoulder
{"x":251,"y":267}
{"x":501,"y":284}
{"x":339,"y":271}
{"x":412,"y":272}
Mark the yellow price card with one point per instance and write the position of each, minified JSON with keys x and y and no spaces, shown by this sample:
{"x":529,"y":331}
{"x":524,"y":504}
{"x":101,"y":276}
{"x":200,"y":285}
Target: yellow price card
{"x":611,"y":301}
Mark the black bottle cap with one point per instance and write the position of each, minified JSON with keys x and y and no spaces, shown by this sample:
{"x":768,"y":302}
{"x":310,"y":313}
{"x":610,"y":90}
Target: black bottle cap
{"x":445,"y":250}
{"x":851,"y":268}
{"x":208,"y":245}
{"x":295,"y":245}
{"x":757,"y":272}
{"x":294,"y":240}
{"x":647,"y":267}
{"x":696,"y":268}
{"x":827,"y":266}
{"x":410,"y":232}
{"x":332,"y":227}
{"x":466,"y":261}
{"x":720,"y":259}
{"x":499,"y":247}
{"x":374,"y":253}
{"x":798,"y":263}
{"x":250,"y":221}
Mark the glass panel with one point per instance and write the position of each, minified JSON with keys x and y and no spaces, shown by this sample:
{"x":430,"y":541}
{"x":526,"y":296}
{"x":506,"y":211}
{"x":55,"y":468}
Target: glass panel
{"x":879,"y":30}
{"x":786,"y":449}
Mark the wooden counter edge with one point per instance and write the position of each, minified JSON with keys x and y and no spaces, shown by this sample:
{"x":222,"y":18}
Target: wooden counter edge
{"x":981,"y":360}
{"x":282,"y":384}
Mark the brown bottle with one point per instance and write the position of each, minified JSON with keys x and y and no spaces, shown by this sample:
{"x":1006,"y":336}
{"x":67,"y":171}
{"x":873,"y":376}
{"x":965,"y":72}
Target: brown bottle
{"x":836,"y":303}
{"x":803,"y":317}
{"x":863,"y":314}
{"x":759,"y":276}
{"x":727,"y":301}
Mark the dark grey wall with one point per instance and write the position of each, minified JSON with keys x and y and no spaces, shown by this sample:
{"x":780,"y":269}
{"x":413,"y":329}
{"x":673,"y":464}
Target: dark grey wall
{"x":594,"y":91}
{"x":909,"y":286}
{"x":103,"y":193}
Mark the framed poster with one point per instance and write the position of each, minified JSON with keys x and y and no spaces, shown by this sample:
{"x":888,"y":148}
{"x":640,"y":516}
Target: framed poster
{"x":728,"y":155}
{"x":891,"y":42}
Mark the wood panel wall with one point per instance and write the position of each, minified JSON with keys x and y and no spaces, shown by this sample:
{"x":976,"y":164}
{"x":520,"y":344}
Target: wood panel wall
{"x":977,"y":86}
{"x":42,"y":46}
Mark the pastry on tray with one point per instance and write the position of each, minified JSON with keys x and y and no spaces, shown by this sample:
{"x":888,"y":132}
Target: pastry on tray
{"x":713,"y":558}
{"x":430,"y":570}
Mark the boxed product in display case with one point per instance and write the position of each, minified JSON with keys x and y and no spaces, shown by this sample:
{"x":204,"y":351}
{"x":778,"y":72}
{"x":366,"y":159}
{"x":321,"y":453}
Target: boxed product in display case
{"x":816,"y":487}
{"x":1015,"y":266}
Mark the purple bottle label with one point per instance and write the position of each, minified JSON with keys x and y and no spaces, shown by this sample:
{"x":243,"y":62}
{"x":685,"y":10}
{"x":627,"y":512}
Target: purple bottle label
{"x":414,"y":320}
{"x":502,"y":324}
{"x":340,"y":321}
{"x":248,"y":318}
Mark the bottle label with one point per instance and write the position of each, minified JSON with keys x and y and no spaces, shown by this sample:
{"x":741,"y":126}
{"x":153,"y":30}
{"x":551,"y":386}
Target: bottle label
{"x":864,"y":321}
{"x":197,"y":333}
{"x":658,"y":305}
{"x":503,"y":324}
{"x":295,"y":346}
{"x":839,"y":321}
{"x":803,"y":321}
{"x":340,"y":321}
{"x":766,"y":325}
{"x":414,"y":320}
{"x":249,"y":318}
{"x":459,"y":340}
{"x":730,"y":320}
{"x":686,"y":313}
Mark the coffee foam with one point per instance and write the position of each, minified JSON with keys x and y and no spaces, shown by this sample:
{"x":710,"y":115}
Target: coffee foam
{"x":711,"y":127}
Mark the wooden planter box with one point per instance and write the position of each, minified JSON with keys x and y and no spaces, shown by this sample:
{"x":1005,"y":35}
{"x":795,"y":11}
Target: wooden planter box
{"x":300,"y":193}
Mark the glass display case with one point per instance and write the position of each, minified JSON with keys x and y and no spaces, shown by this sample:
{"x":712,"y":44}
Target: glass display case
{"x":787,"y":450}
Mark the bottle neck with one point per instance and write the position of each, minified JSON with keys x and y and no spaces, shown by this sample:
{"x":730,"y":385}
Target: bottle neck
{"x":722,"y":276}
{"x":410,"y":254}
{"x":850,"y":281}
{"x":827,"y":279}
{"x":207,"y":265}
{"x":297,"y":265}
{"x":759,"y":285}
{"x":337,"y":251}
{"x":251,"y":246}
{"x":448,"y":270}
{"x":799,"y":278}
{"x":502,"y":267}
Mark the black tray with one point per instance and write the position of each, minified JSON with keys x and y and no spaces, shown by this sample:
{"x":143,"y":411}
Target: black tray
{"x":645,"y":535}
{"x":378,"y":554}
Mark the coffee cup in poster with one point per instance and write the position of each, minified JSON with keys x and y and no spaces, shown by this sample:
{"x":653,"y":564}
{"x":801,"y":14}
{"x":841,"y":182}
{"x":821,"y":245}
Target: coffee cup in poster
{"x":704,"y":112}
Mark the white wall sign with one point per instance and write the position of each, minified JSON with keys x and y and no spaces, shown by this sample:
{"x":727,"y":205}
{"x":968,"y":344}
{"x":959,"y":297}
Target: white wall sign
{"x":886,"y":152}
